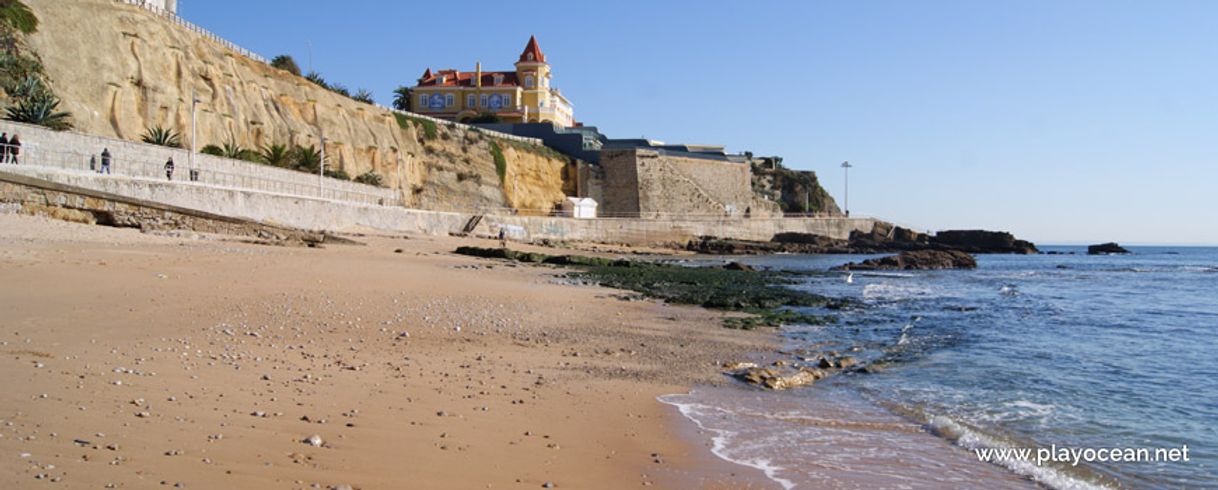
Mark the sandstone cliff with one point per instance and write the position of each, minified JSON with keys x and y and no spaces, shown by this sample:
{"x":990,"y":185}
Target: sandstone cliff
{"x":120,"y":70}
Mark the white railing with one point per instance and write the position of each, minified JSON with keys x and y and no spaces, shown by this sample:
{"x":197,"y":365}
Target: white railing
{"x":196,"y":29}
{"x":34,"y":156}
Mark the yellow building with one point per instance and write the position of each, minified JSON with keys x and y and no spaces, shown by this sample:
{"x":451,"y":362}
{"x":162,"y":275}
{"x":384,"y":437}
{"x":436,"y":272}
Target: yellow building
{"x":523,"y":95}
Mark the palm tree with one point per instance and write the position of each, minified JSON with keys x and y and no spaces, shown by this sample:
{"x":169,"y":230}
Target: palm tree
{"x":401,"y":98}
{"x":158,"y":135}
{"x":306,"y":158}
{"x":277,"y":155}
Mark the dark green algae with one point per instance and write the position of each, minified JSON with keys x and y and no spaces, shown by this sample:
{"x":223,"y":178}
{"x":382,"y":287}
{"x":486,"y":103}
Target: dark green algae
{"x":763,"y":295}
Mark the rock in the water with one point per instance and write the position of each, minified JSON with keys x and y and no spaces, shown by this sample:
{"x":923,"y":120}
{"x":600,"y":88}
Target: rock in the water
{"x":776,"y":379}
{"x":982,"y":242}
{"x":1106,"y":249}
{"x":916,"y":260}
{"x":736,"y":366}
{"x":737,"y":266}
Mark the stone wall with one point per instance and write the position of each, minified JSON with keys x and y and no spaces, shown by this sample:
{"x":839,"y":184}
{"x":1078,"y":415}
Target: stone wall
{"x":316,"y":214}
{"x":655,"y":183}
{"x":42,"y":198}
{"x":72,"y":150}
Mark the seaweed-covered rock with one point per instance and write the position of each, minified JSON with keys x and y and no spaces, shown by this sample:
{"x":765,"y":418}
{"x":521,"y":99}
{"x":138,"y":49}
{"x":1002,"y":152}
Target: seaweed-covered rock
{"x":916,"y":260}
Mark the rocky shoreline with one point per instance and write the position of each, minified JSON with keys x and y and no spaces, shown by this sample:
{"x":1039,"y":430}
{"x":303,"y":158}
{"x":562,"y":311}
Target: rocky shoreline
{"x":884,"y":238}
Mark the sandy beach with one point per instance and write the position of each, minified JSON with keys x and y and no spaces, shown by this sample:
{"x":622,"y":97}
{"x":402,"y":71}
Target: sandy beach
{"x":138,"y":361}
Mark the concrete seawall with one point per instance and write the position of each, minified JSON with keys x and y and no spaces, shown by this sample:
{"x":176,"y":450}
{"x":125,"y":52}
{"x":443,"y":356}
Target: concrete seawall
{"x":337,"y":216}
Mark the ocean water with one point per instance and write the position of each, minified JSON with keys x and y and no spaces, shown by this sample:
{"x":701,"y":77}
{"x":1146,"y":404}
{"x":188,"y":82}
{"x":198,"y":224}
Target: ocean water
{"x":1043,"y":351}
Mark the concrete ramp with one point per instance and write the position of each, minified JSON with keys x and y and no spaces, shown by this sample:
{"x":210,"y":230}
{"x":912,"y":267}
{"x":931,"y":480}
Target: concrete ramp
{"x":31,"y":195}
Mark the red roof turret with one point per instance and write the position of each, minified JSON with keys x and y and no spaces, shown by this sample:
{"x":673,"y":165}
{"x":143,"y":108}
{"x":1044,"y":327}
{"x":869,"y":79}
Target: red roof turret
{"x":532,"y":53}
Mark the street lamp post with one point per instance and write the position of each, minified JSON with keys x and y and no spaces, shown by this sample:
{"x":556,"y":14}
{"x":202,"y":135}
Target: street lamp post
{"x":194,"y":103}
{"x":321,"y":168}
{"x":846,"y":169}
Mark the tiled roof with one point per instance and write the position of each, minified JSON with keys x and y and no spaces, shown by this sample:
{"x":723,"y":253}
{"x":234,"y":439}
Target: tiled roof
{"x":455,"y":78}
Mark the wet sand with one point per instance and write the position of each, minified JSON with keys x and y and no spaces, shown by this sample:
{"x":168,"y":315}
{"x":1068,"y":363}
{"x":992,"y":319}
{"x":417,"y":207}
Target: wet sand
{"x":136,"y":361}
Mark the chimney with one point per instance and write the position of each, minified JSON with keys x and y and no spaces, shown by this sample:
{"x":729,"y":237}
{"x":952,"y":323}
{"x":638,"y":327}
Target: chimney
{"x":478,"y":76}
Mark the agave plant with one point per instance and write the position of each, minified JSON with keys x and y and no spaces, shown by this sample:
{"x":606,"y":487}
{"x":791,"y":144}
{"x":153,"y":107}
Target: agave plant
{"x":364,"y":96}
{"x":316,"y":78}
{"x":340,"y":89}
{"x":41,"y":110}
{"x":158,"y":135}
{"x":277,"y":155}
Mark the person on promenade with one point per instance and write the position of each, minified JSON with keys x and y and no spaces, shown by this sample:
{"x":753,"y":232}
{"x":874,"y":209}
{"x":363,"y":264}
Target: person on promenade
{"x":169,"y":169}
{"x":502,"y":237}
{"x":105,"y":161}
{"x":4,"y":148}
{"x":14,"y":149}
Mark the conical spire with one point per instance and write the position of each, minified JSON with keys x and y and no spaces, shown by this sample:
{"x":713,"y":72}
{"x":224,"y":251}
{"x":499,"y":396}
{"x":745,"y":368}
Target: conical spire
{"x":532,"y":53}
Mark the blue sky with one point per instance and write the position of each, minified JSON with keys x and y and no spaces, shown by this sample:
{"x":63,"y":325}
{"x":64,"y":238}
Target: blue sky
{"x":1061,"y":121}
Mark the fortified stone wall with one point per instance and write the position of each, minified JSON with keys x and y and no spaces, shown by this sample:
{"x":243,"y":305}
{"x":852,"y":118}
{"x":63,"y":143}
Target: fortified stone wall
{"x":655,"y":183}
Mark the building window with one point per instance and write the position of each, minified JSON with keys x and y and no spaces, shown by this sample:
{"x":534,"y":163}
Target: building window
{"x":449,"y":100}
{"x":483,"y":100}
{"x":470,"y":100}
{"x":528,"y":81}
{"x":498,"y":79}
{"x":422,"y":101}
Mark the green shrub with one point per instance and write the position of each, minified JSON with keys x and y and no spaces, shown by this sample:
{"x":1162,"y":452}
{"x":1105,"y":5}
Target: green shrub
{"x":286,"y":63}
{"x":430,"y":131}
{"x":16,"y":15}
{"x":500,"y":161}
{"x":485,"y":118}
{"x":336,"y":174}
{"x":212,"y":150}
{"x":370,"y":178}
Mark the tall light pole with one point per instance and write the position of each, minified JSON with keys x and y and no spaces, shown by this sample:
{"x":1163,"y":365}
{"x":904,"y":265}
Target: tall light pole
{"x":194,"y":102}
{"x":321,"y":168}
{"x":846,"y":169}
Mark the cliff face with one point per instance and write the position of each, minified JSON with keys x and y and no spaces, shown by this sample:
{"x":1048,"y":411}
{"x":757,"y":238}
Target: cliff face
{"x":792,"y":189}
{"x":120,"y":70}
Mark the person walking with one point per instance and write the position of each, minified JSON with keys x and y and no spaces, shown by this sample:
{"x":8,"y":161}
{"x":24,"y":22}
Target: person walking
{"x":4,"y":148}
{"x":169,"y":169}
{"x":105,"y":161}
{"x":14,"y":149}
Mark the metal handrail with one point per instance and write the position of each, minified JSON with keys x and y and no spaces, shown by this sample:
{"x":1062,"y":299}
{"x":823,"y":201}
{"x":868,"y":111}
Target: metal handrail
{"x":145,"y":169}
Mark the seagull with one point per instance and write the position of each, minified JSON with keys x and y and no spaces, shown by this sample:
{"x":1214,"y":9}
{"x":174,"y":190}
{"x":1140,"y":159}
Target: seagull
{"x":850,"y":278}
